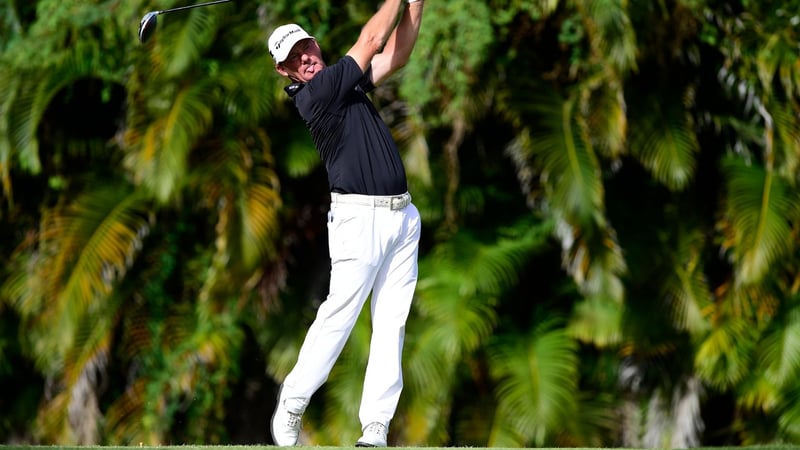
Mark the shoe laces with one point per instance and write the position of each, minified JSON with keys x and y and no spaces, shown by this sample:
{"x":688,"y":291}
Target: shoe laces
{"x":292,"y":419}
{"x":375,"y":428}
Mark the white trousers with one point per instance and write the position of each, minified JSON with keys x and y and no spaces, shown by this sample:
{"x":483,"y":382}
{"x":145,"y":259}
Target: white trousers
{"x":372,"y":249}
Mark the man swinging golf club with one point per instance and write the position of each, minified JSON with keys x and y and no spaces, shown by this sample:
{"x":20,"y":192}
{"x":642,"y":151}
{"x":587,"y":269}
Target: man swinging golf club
{"x":373,"y":228}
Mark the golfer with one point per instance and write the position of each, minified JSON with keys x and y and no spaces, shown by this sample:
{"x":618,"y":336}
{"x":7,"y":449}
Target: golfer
{"x":373,"y":228}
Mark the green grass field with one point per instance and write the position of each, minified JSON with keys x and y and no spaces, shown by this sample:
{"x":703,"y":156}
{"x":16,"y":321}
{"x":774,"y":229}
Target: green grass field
{"x":260,"y":447}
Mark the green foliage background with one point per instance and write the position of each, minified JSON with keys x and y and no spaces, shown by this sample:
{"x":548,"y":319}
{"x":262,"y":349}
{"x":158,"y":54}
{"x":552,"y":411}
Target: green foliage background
{"x":610,"y":200}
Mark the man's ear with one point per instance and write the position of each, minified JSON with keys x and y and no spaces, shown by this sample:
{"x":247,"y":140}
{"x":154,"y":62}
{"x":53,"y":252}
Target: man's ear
{"x":279,"y":68}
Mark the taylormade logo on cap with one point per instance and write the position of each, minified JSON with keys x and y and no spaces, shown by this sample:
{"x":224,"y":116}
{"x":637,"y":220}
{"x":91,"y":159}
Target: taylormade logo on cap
{"x":282,"y":40}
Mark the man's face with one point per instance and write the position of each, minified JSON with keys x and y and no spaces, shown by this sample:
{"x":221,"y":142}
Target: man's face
{"x":303,"y":62}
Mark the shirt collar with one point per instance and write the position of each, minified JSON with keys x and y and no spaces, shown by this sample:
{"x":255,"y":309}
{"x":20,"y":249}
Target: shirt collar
{"x":294,"y":88}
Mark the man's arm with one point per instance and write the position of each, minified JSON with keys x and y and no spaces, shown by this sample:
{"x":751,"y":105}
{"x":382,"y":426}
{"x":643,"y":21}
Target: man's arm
{"x":375,"y":33}
{"x":398,"y":48}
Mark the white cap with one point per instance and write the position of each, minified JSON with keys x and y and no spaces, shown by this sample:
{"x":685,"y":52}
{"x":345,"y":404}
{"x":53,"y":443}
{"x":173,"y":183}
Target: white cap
{"x":282,"y":40}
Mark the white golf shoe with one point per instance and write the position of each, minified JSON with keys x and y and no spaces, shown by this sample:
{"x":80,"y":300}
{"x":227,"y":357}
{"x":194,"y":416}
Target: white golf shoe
{"x":374,"y":436}
{"x":285,"y":426}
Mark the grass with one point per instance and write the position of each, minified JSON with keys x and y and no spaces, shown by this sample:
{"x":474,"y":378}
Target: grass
{"x":266,"y":447}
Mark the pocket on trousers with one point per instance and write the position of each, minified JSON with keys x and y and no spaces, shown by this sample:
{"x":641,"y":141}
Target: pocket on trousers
{"x":345,"y":235}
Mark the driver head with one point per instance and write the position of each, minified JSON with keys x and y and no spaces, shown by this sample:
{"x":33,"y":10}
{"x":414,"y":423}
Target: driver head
{"x":147,"y":26}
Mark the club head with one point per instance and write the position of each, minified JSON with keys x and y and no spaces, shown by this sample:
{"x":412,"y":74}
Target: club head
{"x":148,"y":26}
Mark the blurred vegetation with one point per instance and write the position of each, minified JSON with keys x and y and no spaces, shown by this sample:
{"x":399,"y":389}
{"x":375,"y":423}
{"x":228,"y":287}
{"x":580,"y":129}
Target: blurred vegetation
{"x":610,"y":198}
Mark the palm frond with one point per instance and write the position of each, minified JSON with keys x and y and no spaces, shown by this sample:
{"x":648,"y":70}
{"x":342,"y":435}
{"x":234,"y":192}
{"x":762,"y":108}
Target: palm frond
{"x":725,"y":355}
{"x":596,"y":421}
{"x":430,"y":373}
{"x":536,"y":387}
{"x":606,"y":117}
{"x":469,"y":275}
{"x":597,"y":320}
{"x":454,"y":315}
{"x":237,"y":181}
{"x":425,"y":415}
{"x":776,"y":60}
{"x":300,"y":158}
{"x":106,"y":227}
{"x":31,"y":93}
{"x":238,"y":82}
{"x":25,"y":113}
{"x":558,"y":149}
{"x":280,"y":337}
{"x":686,"y":289}
{"x":8,"y":84}
{"x":787,"y":145}
{"x":789,"y":415}
{"x":52,"y":421}
{"x":612,"y":34}
{"x":85,"y":368}
{"x":93,"y":341}
{"x":666,"y":145}
{"x":260,"y":223}
{"x":93,"y":242}
{"x":140,"y":333}
{"x":211,"y":343}
{"x":569,"y":168}
{"x":780,"y":348}
{"x":758,"y":394}
{"x":123,"y":418}
{"x":180,"y":45}
{"x":186,"y":372}
{"x":161,"y":162}
{"x":755,"y":226}
{"x":10,"y":25}
{"x":594,"y":259}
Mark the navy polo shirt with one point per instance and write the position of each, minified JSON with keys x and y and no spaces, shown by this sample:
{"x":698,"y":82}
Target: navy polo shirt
{"x":353,"y":141}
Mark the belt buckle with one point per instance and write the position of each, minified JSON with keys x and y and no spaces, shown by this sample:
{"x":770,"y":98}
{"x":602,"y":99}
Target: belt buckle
{"x":397,"y":202}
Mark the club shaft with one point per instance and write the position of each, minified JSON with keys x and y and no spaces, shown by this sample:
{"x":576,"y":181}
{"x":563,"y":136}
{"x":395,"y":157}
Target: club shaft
{"x":180,"y":8}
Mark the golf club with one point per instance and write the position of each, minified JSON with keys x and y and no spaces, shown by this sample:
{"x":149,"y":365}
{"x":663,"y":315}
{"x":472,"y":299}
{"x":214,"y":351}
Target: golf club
{"x":148,"y":24}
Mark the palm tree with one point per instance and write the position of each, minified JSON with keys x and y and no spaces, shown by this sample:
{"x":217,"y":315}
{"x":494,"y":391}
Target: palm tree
{"x":97,"y":276}
{"x":608,"y":190}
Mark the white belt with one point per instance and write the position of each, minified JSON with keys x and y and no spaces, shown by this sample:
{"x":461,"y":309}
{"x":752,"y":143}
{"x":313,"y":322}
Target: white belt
{"x":393,"y":202}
